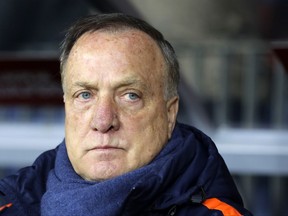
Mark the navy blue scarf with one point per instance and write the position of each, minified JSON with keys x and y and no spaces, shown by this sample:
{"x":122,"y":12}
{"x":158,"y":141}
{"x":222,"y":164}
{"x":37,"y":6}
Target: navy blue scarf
{"x":69,"y":195}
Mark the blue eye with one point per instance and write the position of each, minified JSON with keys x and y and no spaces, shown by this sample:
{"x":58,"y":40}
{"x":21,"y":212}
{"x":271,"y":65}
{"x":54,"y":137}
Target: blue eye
{"x":85,"y":95}
{"x":132,"y":96}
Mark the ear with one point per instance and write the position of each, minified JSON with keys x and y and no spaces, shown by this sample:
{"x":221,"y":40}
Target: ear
{"x":172,"y":111}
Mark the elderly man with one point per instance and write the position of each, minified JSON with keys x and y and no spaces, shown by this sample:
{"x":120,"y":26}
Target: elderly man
{"x":123,"y":153}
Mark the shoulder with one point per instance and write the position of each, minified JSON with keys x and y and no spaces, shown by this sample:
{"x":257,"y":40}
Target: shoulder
{"x":23,"y":190}
{"x":212,"y":206}
{"x":211,"y":173}
{"x":4,"y":204}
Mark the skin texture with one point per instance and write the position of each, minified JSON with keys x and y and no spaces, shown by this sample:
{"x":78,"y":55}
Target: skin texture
{"x":117,"y":119}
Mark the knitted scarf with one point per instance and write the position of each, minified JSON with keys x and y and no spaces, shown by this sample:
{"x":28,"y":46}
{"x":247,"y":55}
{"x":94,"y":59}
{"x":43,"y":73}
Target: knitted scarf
{"x":69,"y":195}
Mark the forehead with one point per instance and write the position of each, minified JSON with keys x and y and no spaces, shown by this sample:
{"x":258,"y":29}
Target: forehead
{"x":128,"y":36}
{"x":128,"y":41}
{"x":126,"y":47}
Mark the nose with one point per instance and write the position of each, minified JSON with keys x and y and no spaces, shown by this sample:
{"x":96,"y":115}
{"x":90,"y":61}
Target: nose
{"x":105,"y":116}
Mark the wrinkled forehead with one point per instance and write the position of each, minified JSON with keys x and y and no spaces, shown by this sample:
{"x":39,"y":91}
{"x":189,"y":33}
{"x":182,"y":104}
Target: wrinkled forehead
{"x":134,"y":44}
{"x":130,"y":39}
{"x":131,"y":47}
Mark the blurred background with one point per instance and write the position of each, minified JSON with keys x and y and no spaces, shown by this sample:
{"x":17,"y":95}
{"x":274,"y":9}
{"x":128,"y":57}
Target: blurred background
{"x":233,"y":57}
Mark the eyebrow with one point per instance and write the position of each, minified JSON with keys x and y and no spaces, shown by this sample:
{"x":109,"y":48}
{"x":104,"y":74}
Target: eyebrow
{"x":130,"y":81}
{"x":84,"y":85}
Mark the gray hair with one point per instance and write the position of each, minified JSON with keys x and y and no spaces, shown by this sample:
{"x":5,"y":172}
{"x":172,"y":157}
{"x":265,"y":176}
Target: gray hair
{"x":115,"y":22}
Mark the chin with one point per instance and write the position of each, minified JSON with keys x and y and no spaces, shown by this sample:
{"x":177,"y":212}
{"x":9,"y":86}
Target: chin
{"x":101,"y":173}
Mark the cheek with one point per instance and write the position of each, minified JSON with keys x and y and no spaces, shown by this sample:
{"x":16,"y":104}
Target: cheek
{"x":70,"y":118}
{"x":76,"y":128}
{"x":76,"y":121}
{"x":147,"y":127}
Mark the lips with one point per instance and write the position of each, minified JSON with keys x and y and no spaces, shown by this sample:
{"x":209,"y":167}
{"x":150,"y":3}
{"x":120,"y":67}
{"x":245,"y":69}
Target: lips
{"x":106,"y":142}
{"x":106,"y":148}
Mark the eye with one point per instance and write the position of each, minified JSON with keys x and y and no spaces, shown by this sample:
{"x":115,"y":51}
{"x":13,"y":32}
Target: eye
{"x":85,"y":95}
{"x":132,"y":96}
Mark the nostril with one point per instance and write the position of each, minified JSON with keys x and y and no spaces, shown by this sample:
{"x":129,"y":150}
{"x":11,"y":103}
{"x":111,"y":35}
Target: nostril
{"x":111,"y":128}
{"x":105,"y":116}
{"x":105,"y":125}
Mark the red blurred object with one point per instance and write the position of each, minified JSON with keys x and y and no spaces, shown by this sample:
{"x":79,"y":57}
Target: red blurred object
{"x":281,"y":51}
{"x":30,"y":80}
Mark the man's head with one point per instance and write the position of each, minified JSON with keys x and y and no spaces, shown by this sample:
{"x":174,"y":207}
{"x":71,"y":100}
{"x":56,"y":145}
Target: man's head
{"x":120,"y":78}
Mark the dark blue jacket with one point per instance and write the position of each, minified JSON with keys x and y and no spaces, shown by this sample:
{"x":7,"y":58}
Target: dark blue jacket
{"x":205,"y":187}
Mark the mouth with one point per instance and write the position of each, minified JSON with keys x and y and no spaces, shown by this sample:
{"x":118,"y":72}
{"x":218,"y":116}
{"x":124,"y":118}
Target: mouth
{"x":106,"y":148}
